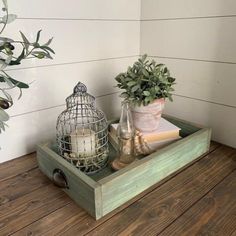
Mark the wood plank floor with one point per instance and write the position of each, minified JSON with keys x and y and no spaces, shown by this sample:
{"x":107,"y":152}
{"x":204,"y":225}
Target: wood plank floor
{"x":199,"y":200}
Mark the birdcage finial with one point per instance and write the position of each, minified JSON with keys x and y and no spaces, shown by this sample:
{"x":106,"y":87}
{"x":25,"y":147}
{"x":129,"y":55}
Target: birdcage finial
{"x":80,"y":88}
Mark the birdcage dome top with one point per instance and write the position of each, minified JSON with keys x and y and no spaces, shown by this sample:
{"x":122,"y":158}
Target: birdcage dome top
{"x":82,"y":132}
{"x":80,"y":96}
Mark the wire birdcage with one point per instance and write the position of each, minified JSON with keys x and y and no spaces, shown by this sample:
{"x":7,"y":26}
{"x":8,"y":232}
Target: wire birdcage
{"x":82,"y":132}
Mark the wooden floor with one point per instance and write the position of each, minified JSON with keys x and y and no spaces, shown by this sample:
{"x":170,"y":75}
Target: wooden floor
{"x":200,"y":200}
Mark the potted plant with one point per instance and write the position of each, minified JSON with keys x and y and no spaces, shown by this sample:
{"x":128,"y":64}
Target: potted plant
{"x":13,"y":52}
{"x":147,"y":85}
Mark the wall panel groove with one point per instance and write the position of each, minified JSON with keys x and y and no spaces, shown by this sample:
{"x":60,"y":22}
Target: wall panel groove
{"x":189,"y":18}
{"x":192,"y":59}
{"x":58,"y":82}
{"x":76,"y":41}
{"x":71,"y":63}
{"x":94,"y":40}
{"x":76,"y":19}
{"x":196,"y":40}
{"x":152,"y":9}
{"x":27,"y":130}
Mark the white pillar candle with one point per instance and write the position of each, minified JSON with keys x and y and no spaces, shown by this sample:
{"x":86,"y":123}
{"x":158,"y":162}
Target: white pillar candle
{"x":83,"y":142}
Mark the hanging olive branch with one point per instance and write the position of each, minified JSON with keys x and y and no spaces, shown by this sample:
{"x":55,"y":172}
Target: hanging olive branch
{"x":8,"y":57}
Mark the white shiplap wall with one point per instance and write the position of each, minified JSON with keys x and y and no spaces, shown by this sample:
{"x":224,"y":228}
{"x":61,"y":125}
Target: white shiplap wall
{"x":94,"y":40}
{"x":196,"y":40}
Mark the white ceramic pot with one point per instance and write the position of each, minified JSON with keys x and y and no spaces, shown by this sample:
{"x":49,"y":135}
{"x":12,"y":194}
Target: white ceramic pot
{"x":147,"y":118}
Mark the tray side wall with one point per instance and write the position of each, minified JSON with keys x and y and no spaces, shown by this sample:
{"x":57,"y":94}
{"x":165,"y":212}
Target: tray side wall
{"x":120,"y":188}
{"x":84,"y":194}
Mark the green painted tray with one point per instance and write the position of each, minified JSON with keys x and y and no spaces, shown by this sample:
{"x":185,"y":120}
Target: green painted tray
{"x":105,"y":191}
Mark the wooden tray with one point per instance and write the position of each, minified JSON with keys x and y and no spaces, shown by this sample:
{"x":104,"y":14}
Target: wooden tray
{"x":103,"y":192}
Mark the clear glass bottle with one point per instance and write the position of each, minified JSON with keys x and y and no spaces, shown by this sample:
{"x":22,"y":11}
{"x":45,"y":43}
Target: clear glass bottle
{"x":125,"y":133}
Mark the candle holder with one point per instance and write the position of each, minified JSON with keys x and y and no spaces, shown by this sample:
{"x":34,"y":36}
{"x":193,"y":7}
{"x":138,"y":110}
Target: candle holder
{"x":82,"y":132}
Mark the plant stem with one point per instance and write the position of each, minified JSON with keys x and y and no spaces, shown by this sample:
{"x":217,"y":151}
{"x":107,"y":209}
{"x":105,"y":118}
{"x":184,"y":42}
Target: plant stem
{"x":5,"y":22}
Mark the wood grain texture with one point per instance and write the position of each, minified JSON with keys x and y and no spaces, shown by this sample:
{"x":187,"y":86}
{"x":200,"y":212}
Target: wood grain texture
{"x":29,"y":208}
{"x":60,"y":221}
{"x":214,"y":214}
{"x":18,"y":166}
{"x":110,"y":191}
{"x":56,"y":222}
{"x":81,"y":188}
{"x":21,"y":185}
{"x":149,"y":170}
{"x":154,"y":212}
{"x":147,"y":216}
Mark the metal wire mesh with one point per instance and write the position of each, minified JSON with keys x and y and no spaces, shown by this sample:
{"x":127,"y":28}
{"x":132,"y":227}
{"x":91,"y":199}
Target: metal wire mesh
{"x":82,"y":134}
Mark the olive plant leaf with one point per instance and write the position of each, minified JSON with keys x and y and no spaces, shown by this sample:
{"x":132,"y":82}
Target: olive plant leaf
{"x":3,"y":115}
{"x":8,"y":57}
{"x":26,"y":42}
{"x":47,"y":48}
{"x":38,"y":36}
{"x":5,"y":4}
{"x":4,"y":39}
{"x":41,"y":55}
{"x":48,"y":42}
{"x":7,"y":19}
{"x":3,"y":65}
{"x":18,"y":84}
{"x":3,"y":118}
{"x":7,"y":95}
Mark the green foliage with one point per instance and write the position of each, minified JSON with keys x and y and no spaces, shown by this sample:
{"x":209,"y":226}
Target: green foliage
{"x":145,"y":81}
{"x":9,"y":57}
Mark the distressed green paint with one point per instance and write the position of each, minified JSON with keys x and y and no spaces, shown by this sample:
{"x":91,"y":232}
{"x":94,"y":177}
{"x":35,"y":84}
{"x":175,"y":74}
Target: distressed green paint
{"x":137,"y":177}
{"x":101,"y":193}
{"x":82,"y":189}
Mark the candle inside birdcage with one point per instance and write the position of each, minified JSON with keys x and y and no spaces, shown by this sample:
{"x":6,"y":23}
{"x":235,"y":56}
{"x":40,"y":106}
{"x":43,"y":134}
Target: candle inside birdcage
{"x":82,"y":135}
{"x":83,"y":142}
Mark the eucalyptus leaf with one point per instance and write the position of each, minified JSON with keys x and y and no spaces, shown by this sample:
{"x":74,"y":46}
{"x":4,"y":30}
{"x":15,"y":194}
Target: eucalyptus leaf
{"x":124,"y":95}
{"x":146,"y":93}
{"x":135,"y":88}
{"x":131,"y":83}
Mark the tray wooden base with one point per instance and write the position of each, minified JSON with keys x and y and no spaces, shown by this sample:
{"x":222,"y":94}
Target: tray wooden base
{"x":105,"y":191}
